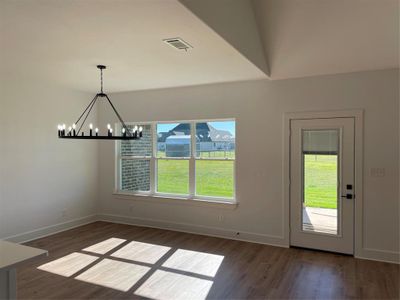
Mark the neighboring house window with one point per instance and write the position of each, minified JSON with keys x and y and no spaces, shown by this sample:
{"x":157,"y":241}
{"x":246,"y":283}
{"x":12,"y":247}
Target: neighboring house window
{"x":190,"y":159}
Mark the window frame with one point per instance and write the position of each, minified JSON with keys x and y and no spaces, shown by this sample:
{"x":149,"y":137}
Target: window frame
{"x":154,"y":164}
{"x":156,"y":159}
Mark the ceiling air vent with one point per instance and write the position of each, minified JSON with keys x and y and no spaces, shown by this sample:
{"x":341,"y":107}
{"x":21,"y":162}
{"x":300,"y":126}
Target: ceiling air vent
{"x":178,"y":43}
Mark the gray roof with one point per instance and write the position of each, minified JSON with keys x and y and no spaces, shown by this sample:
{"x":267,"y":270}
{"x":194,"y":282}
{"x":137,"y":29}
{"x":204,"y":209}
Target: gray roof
{"x":205,"y":133}
{"x":217,"y":135}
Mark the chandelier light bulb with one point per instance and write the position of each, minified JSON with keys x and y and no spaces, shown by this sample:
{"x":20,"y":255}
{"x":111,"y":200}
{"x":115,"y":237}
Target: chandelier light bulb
{"x":63,"y":126}
{"x":59,"y":127}
{"x":123,"y":130}
{"x":73,"y":126}
{"x":69,"y":128}
{"x":135,"y":128}
{"x":111,"y":130}
{"x":140,"y":129}
{"x":91,"y":126}
{"x":97,"y":130}
{"x":108,"y":126}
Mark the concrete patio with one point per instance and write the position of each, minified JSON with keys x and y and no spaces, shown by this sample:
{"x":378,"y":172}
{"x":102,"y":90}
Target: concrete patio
{"x":323,"y":220}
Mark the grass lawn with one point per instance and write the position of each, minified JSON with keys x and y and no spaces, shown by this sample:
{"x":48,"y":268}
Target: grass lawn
{"x":213,"y":178}
{"x":320,"y":181}
{"x":173,"y":176}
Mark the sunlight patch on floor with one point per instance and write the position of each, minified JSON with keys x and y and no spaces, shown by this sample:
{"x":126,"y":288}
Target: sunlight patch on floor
{"x":164,"y":285}
{"x":195,"y":262}
{"x":104,"y":246}
{"x":114,"y":274}
{"x":141,"y":252}
{"x":185,"y":274}
{"x":69,"y":264}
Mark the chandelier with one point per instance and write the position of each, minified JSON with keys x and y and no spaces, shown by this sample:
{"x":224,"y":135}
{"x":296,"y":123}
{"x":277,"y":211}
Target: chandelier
{"x":75,"y":131}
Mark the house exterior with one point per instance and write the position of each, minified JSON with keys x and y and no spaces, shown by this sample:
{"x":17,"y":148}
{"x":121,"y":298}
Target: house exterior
{"x":177,"y":146}
{"x":176,"y":142}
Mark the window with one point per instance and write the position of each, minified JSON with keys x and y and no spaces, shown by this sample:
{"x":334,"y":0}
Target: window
{"x":183,"y":159}
{"x":173,"y":155}
{"x":215,"y":154}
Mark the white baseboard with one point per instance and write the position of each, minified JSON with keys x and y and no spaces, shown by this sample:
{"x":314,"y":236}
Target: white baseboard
{"x":366,"y":253}
{"x":49,"y":230}
{"x":197,"y":229}
{"x":370,"y":254}
{"x":379,"y":255}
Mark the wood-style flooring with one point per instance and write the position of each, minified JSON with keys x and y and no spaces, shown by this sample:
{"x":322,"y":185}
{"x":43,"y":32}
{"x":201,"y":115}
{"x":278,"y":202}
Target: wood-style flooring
{"x":114,"y":261}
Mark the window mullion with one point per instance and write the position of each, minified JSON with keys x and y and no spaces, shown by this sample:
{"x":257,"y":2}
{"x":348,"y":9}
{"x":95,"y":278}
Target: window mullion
{"x":153,"y":161}
{"x":118,"y":170}
{"x":192,"y":161}
{"x":153,"y":175}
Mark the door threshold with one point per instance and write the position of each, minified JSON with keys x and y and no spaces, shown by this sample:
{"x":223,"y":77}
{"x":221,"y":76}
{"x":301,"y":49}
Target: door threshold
{"x":320,"y":250}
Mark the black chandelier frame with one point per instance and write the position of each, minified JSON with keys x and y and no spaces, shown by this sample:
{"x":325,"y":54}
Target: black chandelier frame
{"x":78,"y":134}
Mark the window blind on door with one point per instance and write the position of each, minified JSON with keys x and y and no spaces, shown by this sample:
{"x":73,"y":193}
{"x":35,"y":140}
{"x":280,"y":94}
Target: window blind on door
{"x":320,"y":141}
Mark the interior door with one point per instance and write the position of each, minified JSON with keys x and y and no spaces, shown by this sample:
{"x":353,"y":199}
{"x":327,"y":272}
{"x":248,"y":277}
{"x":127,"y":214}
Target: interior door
{"x":322,"y":184}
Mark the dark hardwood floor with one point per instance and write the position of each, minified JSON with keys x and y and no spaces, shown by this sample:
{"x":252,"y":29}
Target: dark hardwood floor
{"x":247,"y":271}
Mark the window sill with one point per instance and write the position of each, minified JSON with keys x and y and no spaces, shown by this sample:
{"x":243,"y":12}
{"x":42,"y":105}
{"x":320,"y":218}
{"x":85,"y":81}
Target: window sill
{"x":169,"y":199}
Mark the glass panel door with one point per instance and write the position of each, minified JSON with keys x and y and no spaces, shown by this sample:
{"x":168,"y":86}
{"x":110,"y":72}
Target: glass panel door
{"x":320,"y":156}
{"x":321,"y":184}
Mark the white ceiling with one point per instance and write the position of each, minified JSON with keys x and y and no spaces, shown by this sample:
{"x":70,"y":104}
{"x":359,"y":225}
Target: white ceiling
{"x":63,"y":41}
{"x":317,"y":37}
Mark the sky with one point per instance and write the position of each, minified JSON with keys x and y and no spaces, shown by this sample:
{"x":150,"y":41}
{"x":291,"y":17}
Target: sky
{"x":222,"y":125}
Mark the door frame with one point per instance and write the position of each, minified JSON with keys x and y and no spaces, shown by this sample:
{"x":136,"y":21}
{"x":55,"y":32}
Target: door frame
{"x":358,"y":116}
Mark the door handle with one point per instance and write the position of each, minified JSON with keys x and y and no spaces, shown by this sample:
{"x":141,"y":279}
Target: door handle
{"x":348,"y":196}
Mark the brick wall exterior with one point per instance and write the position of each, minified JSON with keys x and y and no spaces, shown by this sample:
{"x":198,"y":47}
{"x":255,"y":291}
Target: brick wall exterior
{"x":135,"y":173}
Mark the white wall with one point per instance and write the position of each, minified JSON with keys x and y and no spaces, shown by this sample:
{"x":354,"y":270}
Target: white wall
{"x":258,"y":107}
{"x":235,"y":22}
{"x":42,"y":176}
